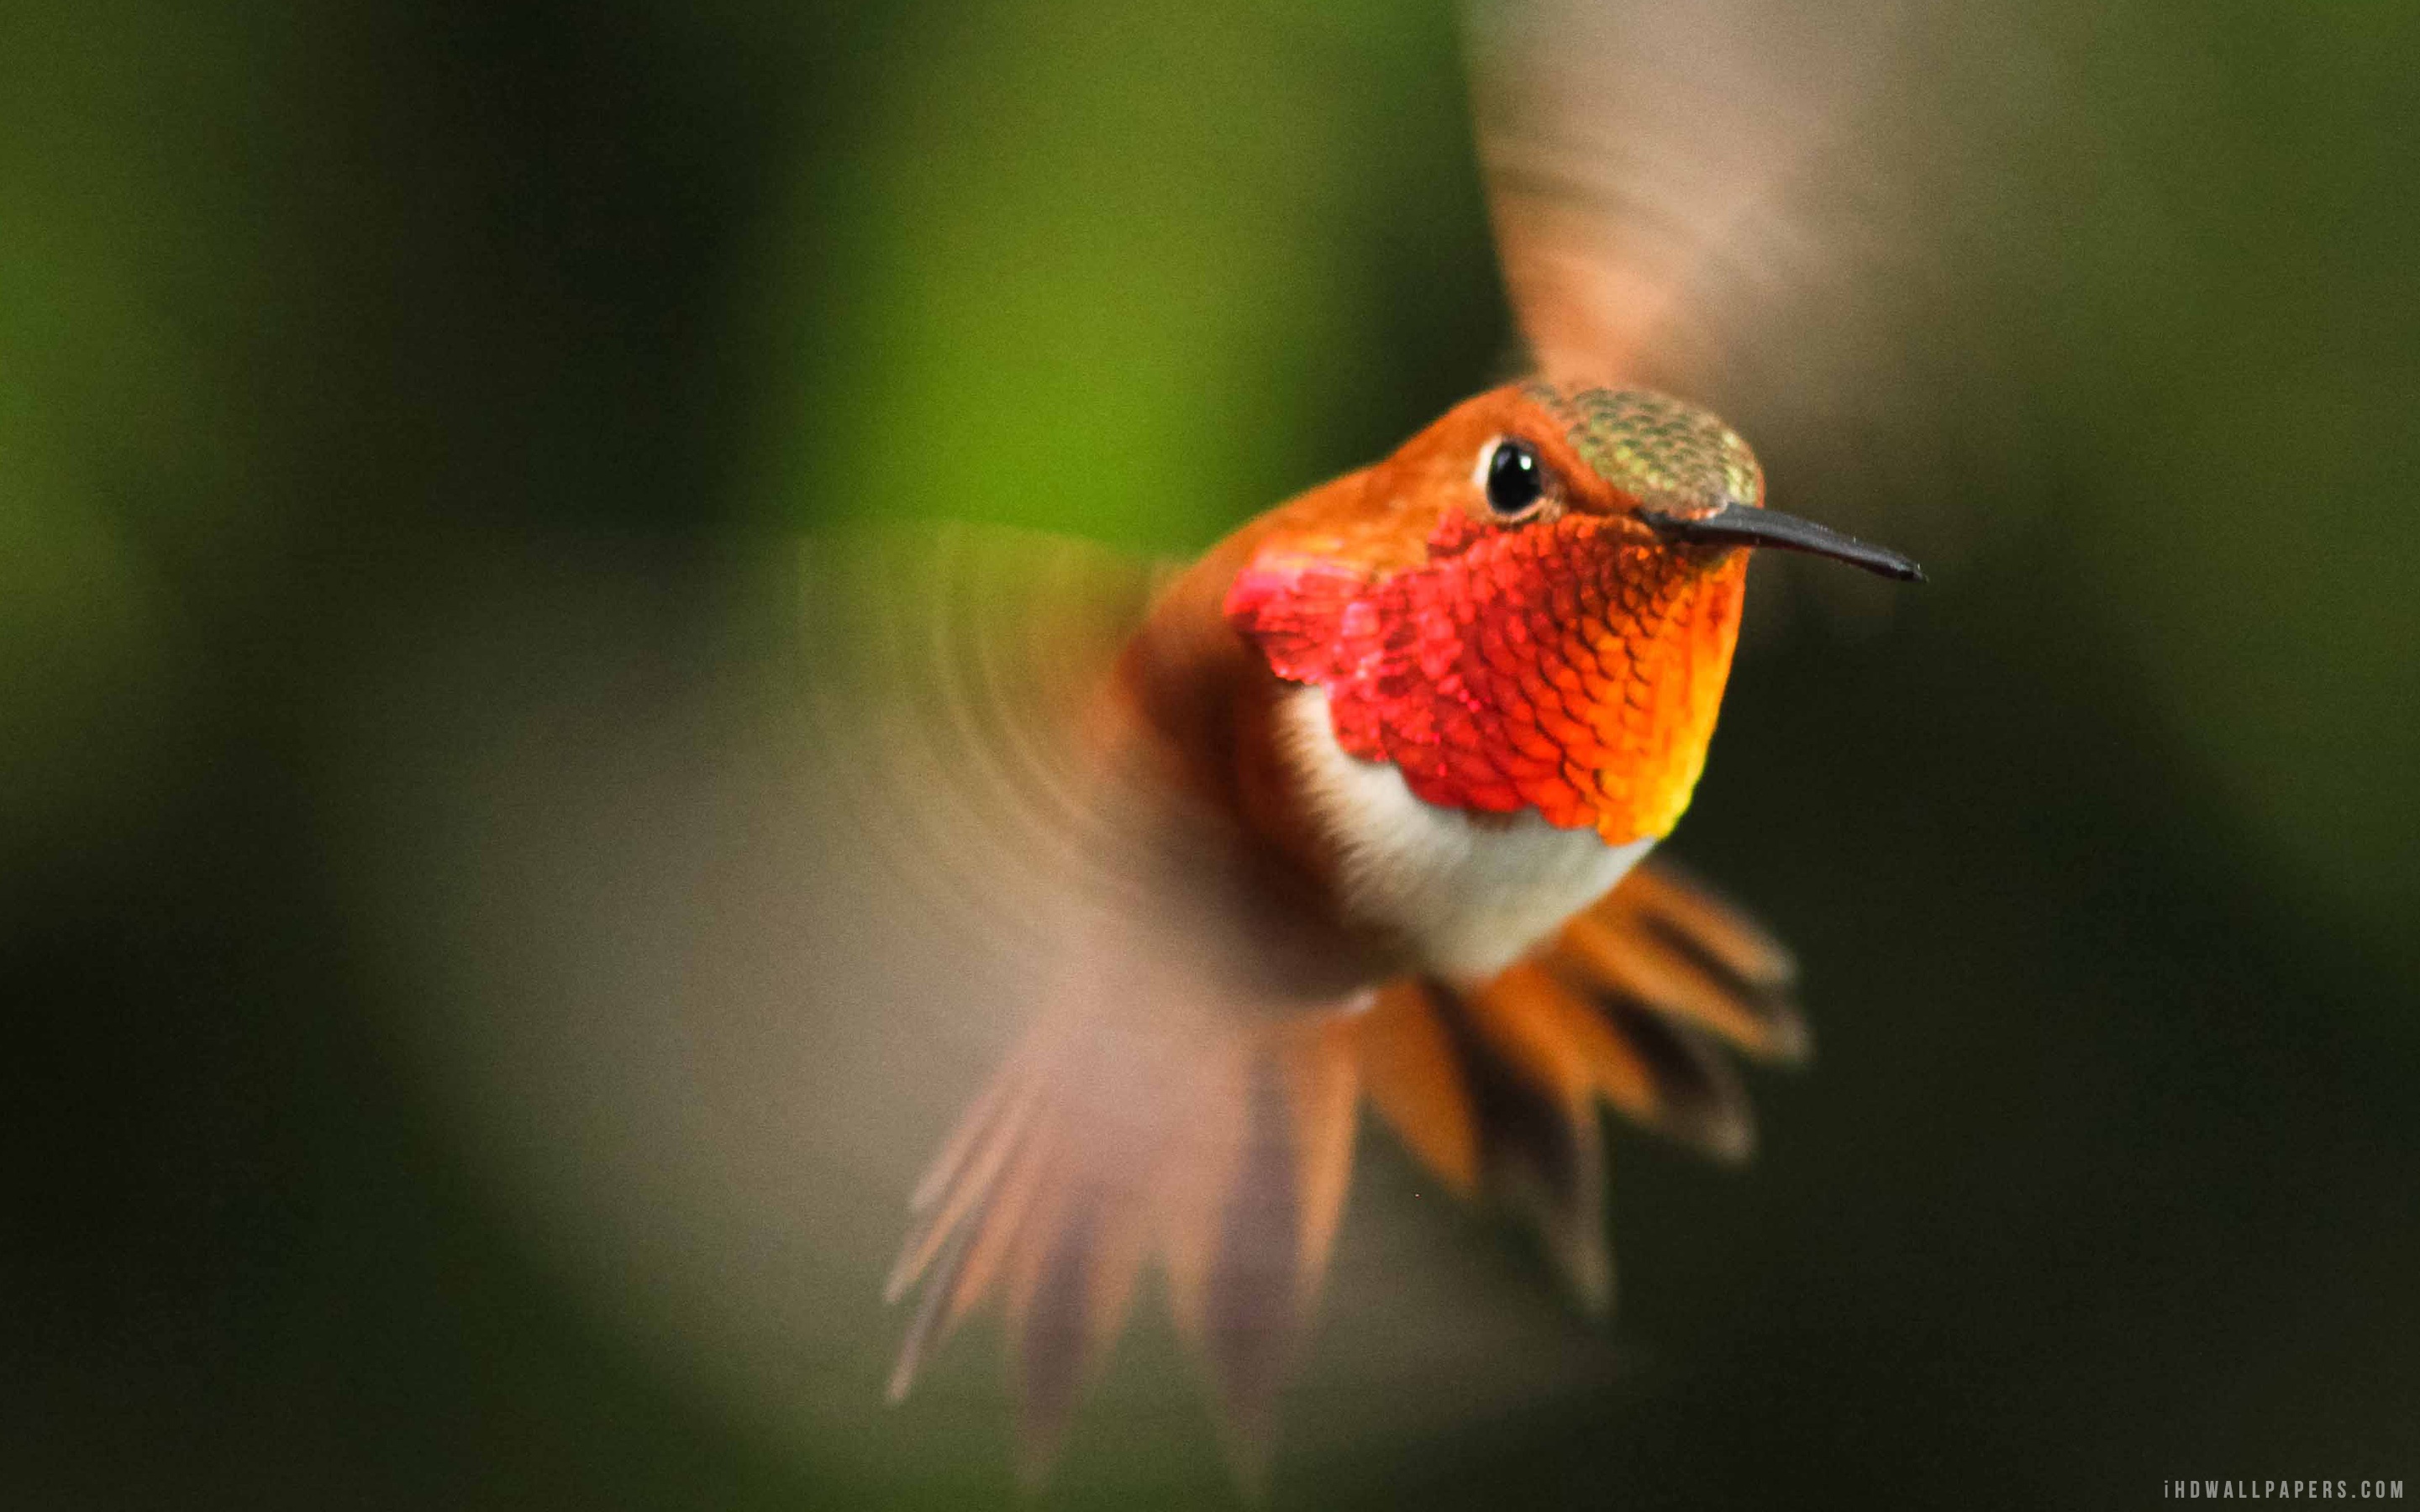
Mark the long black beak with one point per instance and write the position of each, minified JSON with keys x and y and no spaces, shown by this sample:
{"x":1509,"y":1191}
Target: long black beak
{"x":1745,"y":525}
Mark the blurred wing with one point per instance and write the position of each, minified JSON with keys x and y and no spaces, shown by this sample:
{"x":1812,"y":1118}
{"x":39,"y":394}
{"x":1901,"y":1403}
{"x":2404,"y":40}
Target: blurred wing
{"x":1765,"y":207}
{"x":1165,"y":1102}
{"x":950,"y":673}
{"x":1219,"y":1145}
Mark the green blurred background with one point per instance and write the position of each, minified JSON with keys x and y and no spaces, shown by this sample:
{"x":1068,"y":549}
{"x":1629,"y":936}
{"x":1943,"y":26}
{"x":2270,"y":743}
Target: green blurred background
{"x":322,"y":328}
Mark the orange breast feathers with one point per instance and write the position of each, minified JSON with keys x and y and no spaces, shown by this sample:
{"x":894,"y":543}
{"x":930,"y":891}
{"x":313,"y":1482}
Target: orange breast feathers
{"x":1567,"y":666}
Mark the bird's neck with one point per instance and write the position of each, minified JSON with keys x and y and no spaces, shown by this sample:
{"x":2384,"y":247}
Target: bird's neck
{"x":1623,"y":700}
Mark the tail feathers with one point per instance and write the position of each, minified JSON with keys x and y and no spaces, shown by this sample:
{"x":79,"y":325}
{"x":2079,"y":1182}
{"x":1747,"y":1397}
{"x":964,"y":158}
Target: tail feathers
{"x":1495,"y":1086}
{"x":1541,"y":1144}
{"x":1667,"y":943}
{"x":1229,"y":1165}
{"x":1225,"y":1149}
{"x":1412,"y":1064}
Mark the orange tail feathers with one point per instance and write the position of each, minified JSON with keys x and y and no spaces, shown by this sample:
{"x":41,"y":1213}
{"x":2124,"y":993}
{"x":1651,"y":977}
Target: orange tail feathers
{"x":1494,"y":1088}
{"x":1226,"y":1153}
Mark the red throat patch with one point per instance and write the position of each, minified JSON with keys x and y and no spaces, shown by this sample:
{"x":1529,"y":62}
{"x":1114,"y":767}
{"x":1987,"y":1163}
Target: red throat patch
{"x":1563,"y":667}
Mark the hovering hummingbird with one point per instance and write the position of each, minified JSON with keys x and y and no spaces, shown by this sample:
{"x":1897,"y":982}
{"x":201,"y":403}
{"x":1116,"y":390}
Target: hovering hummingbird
{"x":1385,"y":765}
{"x":1363,"y":806}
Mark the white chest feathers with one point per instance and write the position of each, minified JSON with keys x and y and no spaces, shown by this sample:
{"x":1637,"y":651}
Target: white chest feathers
{"x":1469,"y":897}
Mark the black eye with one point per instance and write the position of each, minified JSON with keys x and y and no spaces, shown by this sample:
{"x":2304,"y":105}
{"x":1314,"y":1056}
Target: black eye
{"x":1515,"y":478}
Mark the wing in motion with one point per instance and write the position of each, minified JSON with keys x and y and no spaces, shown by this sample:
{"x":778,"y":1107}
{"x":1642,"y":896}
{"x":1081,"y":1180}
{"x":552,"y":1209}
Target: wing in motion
{"x":1771,"y":209}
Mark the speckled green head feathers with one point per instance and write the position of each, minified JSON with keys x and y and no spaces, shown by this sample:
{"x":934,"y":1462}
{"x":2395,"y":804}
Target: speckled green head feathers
{"x":1671,"y":456}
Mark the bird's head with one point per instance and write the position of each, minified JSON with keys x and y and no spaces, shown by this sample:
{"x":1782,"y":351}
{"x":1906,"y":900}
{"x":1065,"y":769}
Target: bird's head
{"x":1533,"y":603}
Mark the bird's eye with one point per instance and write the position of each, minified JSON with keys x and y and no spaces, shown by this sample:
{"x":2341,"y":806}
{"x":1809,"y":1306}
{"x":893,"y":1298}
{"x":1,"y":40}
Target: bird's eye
{"x":1515,"y":478}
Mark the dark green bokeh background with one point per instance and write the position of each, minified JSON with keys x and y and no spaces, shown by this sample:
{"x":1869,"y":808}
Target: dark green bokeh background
{"x":320,"y":323}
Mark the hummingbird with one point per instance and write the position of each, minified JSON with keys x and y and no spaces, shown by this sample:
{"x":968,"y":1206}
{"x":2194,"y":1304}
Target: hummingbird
{"x":1388,"y":765}
{"x":1363,"y":804}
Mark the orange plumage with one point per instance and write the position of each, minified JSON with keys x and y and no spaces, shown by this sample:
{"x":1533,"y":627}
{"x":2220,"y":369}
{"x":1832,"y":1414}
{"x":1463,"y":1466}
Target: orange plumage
{"x":1374,"y":775}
